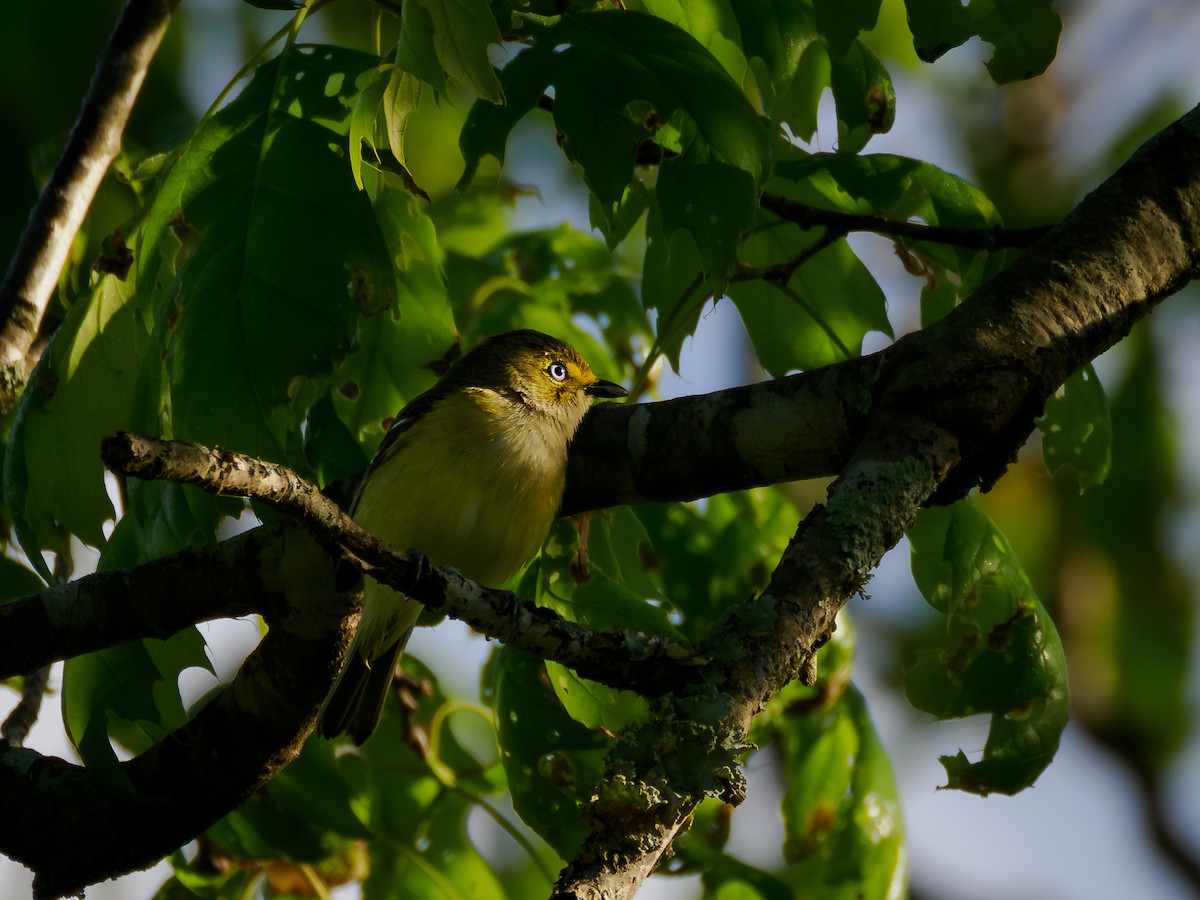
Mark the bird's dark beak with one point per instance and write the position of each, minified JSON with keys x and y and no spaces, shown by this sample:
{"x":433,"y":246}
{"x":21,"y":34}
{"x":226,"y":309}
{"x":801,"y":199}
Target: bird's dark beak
{"x":602,"y":388}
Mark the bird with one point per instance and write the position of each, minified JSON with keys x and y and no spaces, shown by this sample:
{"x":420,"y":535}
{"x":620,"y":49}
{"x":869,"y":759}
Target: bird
{"x":471,"y":473}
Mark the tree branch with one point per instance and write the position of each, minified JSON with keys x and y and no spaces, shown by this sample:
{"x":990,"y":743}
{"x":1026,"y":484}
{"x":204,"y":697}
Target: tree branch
{"x":990,"y":239}
{"x":802,"y":426}
{"x":61,"y":208}
{"x":23,"y":716}
{"x":795,"y":428}
{"x":240,"y":739}
{"x":154,"y":600}
{"x":650,"y":665}
{"x":764,"y":645}
{"x":953,"y":404}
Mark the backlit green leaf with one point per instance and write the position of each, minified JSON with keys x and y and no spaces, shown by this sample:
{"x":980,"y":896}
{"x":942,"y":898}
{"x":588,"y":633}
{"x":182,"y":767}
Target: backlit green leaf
{"x":283,"y":253}
{"x":864,"y":97}
{"x":658,"y":78}
{"x":462,"y":32}
{"x":820,"y":316}
{"x":1077,"y":430}
{"x":131,"y":689}
{"x":415,"y":51}
{"x":788,"y":58}
{"x":80,"y":392}
{"x":844,"y":832}
{"x":550,"y":760}
{"x":999,"y":654}
{"x":1024,"y":33}
{"x":840,"y":21}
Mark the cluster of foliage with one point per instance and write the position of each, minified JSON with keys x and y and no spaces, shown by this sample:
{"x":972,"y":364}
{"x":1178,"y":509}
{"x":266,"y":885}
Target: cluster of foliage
{"x":312,"y":255}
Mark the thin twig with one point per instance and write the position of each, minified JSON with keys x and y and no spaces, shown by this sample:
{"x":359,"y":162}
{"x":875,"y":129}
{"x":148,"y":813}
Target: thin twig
{"x":990,"y":239}
{"x":16,"y":727}
{"x":94,"y":142}
{"x":781,"y":273}
{"x":652,"y":666}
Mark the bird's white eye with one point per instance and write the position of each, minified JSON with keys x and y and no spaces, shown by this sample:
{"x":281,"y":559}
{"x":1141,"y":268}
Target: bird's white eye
{"x":557,"y":371}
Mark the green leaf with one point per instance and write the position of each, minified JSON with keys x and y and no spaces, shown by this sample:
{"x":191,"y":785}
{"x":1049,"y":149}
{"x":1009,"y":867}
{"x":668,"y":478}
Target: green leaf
{"x":415,"y":784}
{"x":728,"y":878}
{"x":840,"y":21}
{"x":415,"y":51}
{"x":333,"y":451}
{"x":446,"y":863}
{"x":711,"y":200}
{"x":1024,"y":33}
{"x":304,"y":814}
{"x":897,"y":187}
{"x":619,"y":546}
{"x":1077,"y":430}
{"x":592,"y":704}
{"x":844,"y":835}
{"x":313,"y":788}
{"x":658,"y":80}
{"x":189,"y":884}
{"x":401,"y":97}
{"x":589,"y":596}
{"x":901,"y":189}
{"x":863,"y":96}
{"x":550,"y":760}
{"x":17,"y":581}
{"x":708,"y":558}
{"x":283,"y":250}
{"x":672,"y":285}
{"x":131,"y":689}
{"x":80,"y":392}
{"x":546,"y":280}
{"x":705,"y":20}
{"x":372,"y":85}
{"x":788,"y":58}
{"x":999,"y":654}
{"x":396,"y":348}
{"x":462,"y":31}
{"x":821,"y":315}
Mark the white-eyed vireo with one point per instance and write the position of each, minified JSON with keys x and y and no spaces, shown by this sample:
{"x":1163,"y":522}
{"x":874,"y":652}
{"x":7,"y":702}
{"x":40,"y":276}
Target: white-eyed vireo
{"x":472,"y":474}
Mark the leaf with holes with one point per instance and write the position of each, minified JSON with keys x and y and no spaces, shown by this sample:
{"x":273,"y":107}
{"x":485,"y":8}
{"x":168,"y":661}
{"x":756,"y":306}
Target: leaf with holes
{"x":999,"y":653}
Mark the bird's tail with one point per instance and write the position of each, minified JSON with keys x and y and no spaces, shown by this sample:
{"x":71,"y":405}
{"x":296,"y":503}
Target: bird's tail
{"x":355,"y":702}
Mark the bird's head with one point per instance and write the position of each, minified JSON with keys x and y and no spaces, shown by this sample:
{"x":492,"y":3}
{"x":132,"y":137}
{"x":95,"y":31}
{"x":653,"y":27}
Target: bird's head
{"x":544,"y":374}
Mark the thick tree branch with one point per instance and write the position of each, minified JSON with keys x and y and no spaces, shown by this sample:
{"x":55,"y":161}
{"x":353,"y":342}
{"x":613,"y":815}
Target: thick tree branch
{"x":241,"y":738}
{"x":984,"y":372}
{"x":802,"y":426}
{"x":152,"y":601}
{"x":60,"y":211}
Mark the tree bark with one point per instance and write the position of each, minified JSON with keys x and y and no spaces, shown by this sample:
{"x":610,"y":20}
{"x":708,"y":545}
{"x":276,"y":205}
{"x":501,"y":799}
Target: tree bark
{"x":94,"y":143}
{"x":938,"y":413}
